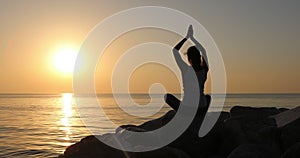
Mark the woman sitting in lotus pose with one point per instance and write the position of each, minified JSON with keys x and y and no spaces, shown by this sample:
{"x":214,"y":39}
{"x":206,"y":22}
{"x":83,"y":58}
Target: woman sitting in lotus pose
{"x":199,"y":66}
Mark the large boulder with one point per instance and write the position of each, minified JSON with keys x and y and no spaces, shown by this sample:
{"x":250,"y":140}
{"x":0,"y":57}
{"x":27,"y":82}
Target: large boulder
{"x":189,"y":141}
{"x":206,"y":146}
{"x":91,"y":147}
{"x":249,"y":125}
{"x":290,"y":134}
{"x":254,"y":151}
{"x":187,"y":144}
{"x":292,"y":152}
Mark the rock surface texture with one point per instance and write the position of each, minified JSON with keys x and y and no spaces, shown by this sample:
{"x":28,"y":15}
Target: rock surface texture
{"x":244,"y":132}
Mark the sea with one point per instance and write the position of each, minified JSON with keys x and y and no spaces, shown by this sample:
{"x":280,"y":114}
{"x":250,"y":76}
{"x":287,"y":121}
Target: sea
{"x":44,"y":125}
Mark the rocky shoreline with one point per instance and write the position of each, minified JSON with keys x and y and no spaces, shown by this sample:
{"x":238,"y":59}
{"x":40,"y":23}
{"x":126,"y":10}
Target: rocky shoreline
{"x":244,"y":132}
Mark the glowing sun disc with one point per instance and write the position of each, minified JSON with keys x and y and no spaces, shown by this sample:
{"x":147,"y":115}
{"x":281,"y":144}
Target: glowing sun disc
{"x":64,"y":60}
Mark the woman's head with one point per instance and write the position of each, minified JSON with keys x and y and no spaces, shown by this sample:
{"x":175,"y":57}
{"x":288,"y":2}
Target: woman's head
{"x":194,"y":57}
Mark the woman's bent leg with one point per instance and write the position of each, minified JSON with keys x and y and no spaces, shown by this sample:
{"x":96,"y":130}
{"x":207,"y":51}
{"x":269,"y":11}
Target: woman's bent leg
{"x":172,"y":101}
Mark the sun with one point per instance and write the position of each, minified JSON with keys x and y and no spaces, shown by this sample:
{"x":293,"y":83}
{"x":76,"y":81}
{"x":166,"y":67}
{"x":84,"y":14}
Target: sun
{"x":64,"y":60}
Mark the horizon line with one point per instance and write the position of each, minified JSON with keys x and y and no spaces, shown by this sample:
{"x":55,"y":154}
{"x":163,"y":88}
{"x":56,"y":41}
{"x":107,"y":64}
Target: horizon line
{"x":59,"y":93}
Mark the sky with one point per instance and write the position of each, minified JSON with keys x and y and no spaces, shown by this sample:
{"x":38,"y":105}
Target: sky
{"x":258,"y":41}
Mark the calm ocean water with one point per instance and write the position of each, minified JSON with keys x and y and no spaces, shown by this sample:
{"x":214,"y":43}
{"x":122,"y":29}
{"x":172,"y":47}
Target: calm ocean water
{"x":44,"y":125}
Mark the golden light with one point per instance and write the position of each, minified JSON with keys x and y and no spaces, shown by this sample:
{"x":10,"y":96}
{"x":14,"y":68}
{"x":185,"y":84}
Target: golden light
{"x":67,"y":101}
{"x":67,"y":104}
{"x":64,"y":59}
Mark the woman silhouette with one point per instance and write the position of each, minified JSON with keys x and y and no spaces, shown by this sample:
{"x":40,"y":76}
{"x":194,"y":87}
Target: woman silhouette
{"x":199,"y":65}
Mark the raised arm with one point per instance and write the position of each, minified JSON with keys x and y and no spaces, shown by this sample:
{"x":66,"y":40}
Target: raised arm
{"x":180,"y":44}
{"x":201,"y":49}
{"x":198,"y":45}
{"x":181,"y":64}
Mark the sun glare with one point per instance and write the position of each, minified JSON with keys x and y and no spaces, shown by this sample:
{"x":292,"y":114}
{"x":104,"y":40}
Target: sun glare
{"x":64,"y":60}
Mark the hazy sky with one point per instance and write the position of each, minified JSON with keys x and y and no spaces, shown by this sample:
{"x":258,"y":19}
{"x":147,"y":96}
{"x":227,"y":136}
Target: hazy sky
{"x":258,"y":40}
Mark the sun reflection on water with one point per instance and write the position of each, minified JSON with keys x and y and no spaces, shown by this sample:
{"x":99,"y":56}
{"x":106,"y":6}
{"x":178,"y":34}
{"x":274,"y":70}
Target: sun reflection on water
{"x":67,"y":101}
{"x":67,"y":104}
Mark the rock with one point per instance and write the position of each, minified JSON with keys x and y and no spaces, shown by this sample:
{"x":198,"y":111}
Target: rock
{"x":254,"y":151}
{"x":196,"y":147}
{"x":130,"y":128}
{"x":292,"y":152}
{"x":232,"y":136}
{"x":91,"y":147}
{"x":189,"y":141}
{"x":157,"y":123}
{"x":283,"y":109}
{"x":165,"y":152}
{"x":250,"y":126}
{"x":290,"y":134}
{"x":286,"y":117}
{"x":246,"y":132}
{"x":216,"y":156}
{"x":60,"y":156}
{"x":258,"y":113}
{"x":150,"y":125}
